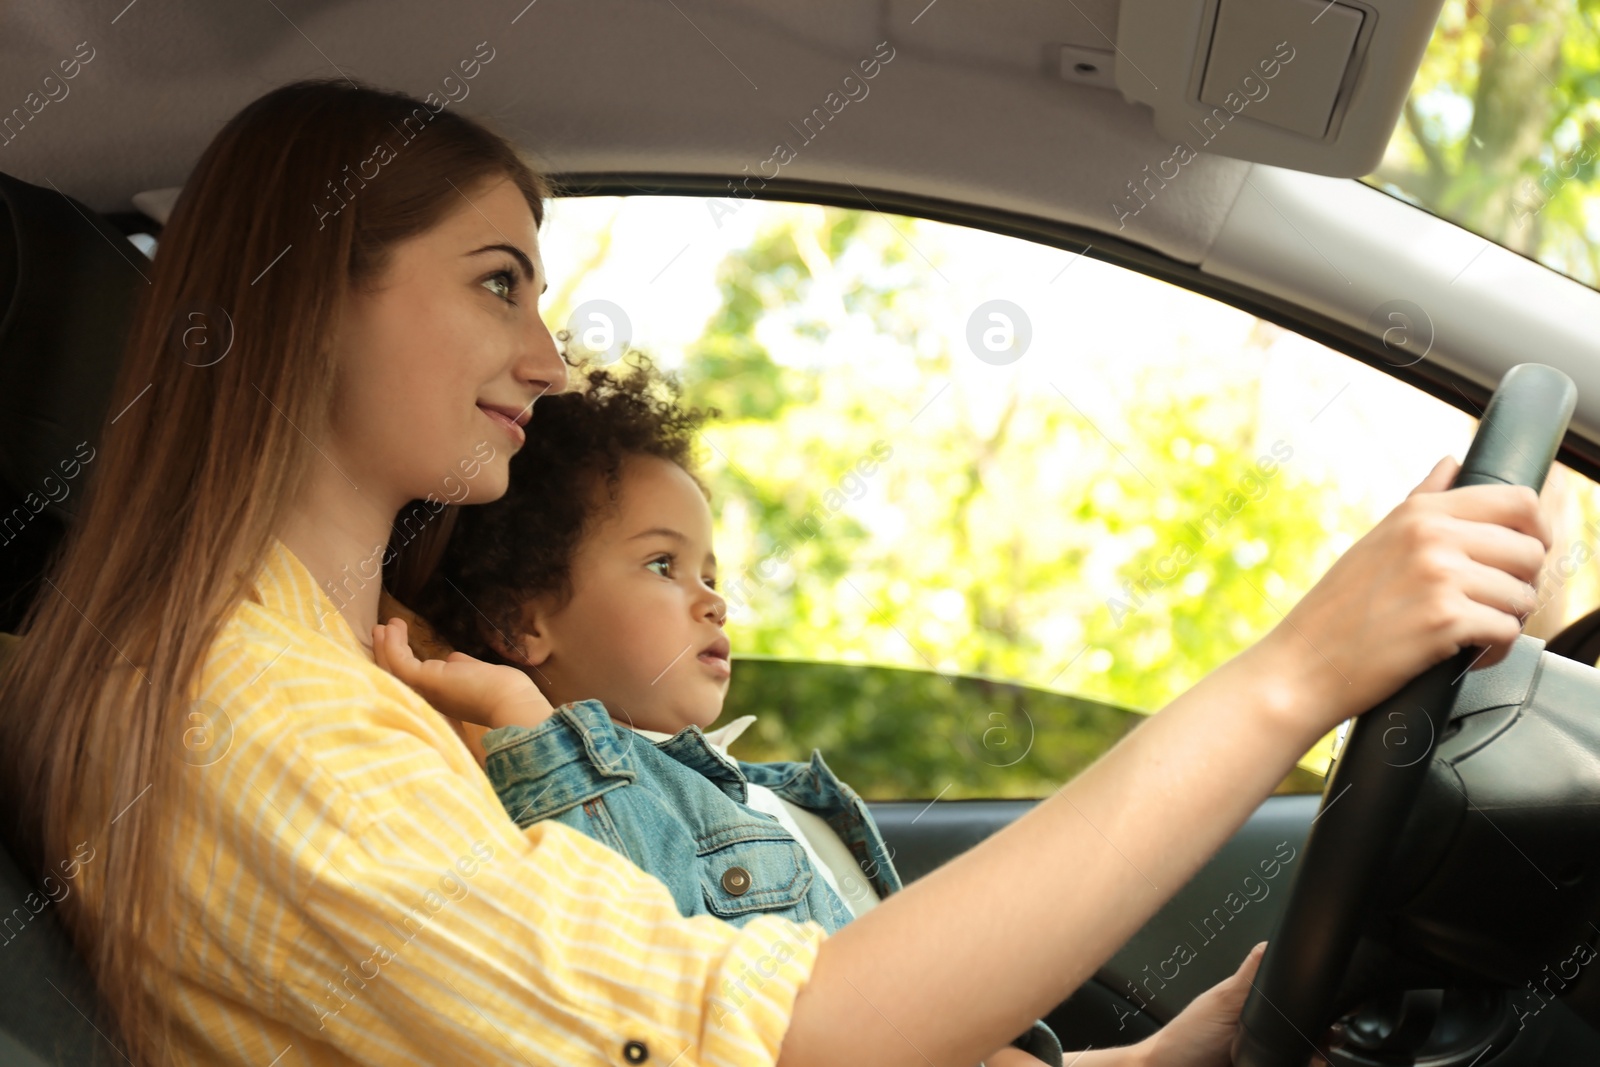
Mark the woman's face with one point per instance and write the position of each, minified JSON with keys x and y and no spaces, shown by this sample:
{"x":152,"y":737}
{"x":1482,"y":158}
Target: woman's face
{"x":642,"y":632}
{"x":449,"y":331}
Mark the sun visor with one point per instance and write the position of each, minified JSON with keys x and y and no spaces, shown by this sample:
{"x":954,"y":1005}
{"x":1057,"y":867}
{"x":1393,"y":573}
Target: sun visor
{"x":1313,"y":85}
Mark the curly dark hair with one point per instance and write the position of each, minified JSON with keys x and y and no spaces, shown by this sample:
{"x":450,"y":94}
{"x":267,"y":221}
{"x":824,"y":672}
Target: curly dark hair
{"x":502,"y":554}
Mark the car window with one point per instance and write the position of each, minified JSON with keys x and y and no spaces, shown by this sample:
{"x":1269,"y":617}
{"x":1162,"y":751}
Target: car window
{"x":1501,"y":130}
{"x":982,"y":503}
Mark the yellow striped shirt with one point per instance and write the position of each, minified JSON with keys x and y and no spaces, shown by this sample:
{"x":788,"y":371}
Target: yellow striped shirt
{"x":348,"y":889}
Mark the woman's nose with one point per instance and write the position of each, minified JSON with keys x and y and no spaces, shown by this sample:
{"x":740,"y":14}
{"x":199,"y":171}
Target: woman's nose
{"x":542,"y":362}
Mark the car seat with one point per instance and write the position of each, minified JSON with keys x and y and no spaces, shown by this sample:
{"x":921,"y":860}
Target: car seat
{"x":68,"y":281}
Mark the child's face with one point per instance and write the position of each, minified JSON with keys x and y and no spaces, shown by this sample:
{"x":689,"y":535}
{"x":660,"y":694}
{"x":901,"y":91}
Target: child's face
{"x":643,"y":630}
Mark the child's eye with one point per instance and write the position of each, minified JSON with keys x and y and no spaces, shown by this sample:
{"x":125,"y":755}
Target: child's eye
{"x":665,"y":562}
{"x":711,"y":583}
{"x":502,"y":283}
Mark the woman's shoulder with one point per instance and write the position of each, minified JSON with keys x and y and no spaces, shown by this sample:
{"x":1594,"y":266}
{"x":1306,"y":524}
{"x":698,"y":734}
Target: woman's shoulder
{"x":285,"y":719}
{"x":284,"y":676}
{"x":261,"y":660}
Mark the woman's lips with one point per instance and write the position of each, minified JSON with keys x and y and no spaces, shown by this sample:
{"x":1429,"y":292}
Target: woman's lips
{"x":503,"y":420}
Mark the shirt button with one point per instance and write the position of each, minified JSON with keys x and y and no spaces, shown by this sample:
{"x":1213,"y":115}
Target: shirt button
{"x":635,"y":1052}
{"x":736,"y":880}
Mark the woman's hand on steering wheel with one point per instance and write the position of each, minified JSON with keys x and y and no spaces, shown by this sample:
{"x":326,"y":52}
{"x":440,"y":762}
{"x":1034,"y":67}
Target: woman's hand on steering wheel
{"x":1445,"y":570}
{"x":1202,"y":1034}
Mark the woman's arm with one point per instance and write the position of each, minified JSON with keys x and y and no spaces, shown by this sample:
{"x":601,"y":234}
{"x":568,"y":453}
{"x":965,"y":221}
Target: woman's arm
{"x":918,"y":979}
{"x":918,"y":973}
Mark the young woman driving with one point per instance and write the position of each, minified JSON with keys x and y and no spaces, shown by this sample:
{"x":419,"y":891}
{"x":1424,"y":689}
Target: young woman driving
{"x":295,"y":859}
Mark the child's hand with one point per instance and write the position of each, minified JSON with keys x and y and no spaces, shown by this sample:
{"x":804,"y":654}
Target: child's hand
{"x":460,"y":686}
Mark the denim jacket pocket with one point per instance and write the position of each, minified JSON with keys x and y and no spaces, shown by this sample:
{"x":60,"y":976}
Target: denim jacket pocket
{"x":748,"y":869}
{"x":593,"y":818}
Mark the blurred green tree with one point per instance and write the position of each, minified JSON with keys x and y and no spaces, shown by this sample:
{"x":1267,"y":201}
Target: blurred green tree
{"x":1501,"y":130}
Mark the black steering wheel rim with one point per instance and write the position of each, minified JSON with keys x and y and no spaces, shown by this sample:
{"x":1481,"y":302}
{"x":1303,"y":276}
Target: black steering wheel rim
{"x":1380,"y":768}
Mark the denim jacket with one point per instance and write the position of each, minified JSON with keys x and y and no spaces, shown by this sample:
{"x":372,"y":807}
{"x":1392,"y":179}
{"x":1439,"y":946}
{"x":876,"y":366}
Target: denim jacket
{"x":659,"y":802}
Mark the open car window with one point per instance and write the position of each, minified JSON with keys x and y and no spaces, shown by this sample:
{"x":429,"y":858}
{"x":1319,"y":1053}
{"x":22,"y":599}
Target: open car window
{"x":981,"y":503}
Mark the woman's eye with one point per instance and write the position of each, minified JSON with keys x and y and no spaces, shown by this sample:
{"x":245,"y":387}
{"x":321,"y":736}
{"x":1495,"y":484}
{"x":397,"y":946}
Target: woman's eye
{"x":665,"y":563}
{"x":502,"y":283}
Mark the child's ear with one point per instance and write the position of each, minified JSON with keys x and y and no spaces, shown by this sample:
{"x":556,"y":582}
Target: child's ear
{"x":531,"y":648}
{"x":531,"y":645}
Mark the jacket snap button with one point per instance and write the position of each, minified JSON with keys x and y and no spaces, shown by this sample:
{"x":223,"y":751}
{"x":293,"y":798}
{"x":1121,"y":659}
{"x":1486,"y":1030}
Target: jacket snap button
{"x":635,"y":1052}
{"x":736,"y":880}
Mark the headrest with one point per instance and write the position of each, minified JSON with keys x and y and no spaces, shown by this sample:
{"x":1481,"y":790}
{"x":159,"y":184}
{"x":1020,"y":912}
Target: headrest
{"x":158,"y":203}
{"x":68,"y":281}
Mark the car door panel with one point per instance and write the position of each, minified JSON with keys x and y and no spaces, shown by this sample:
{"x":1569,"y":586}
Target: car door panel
{"x":1196,"y":940}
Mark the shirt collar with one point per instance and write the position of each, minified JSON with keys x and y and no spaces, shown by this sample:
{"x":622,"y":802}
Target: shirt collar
{"x":284,"y":585}
{"x":720,"y":738}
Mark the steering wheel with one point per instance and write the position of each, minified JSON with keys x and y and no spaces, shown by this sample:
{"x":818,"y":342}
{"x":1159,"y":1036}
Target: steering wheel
{"x":1369,"y":795}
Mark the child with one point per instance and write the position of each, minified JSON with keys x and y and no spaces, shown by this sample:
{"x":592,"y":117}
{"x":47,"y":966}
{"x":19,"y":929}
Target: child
{"x":593,"y":577}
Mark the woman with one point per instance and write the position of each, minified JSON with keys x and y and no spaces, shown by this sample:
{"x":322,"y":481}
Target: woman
{"x":294,"y":859}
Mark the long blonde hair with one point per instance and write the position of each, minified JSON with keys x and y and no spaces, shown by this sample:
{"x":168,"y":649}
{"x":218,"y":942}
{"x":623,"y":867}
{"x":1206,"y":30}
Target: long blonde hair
{"x":199,"y":460}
